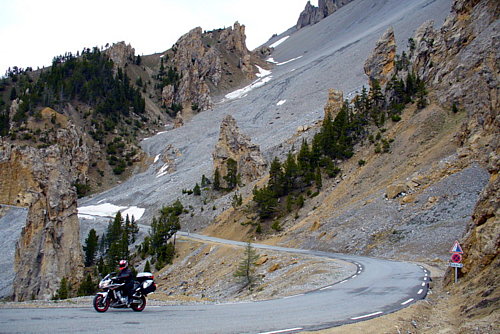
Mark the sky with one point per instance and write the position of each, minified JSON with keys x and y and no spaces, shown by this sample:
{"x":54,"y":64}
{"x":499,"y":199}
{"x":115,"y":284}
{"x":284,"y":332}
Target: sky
{"x":32,"y":32}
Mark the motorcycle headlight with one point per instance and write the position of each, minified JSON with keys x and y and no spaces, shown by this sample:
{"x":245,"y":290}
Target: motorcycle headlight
{"x":104,"y":284}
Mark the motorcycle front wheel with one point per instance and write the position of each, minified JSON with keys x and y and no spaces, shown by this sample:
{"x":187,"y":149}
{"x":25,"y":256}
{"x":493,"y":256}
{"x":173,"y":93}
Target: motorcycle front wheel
{"x":138,"y":307}
{"x":100,"y":303}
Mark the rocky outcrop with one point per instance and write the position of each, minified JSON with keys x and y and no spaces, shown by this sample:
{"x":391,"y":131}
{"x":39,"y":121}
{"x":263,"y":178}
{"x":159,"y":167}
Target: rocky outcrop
{"x":380,"y":65}
{"x":234,"y":145}
{"x":43,"y":181}
{"x":121,"y":54}
{"x":196,"y":65}
{"x":460,"y":62}
{"x":334,"y":103}
{"x":312,"y":14}
{"x":482,"y":241}
{"x":203,"y":60}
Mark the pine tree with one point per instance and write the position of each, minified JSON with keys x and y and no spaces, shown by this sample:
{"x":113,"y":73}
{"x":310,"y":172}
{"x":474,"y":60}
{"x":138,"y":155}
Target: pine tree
{"x":197,"y":190}
{"x":231,"y":177}
{"x":317,"y":178}
{"x":147,"y":267}
{"x":276,"y":178}
{"x":90,"y":247}
{"x":87,"y":287}
{"x":266,"y":201}
{"x":63,"y":291}
{"x":132,"y":229}
{"x":246,"y":268}
{"x":216,"y":185}
{"x":291,"y":172}
{"x":13,"y":94}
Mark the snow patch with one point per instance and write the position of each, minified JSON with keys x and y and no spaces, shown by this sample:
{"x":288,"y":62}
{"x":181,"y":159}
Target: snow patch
{"x":156,"y":158}
{"x":278,"y":42}
{"x":271,"y":60}
{"x":109,"y":210}
{"x":281,"y":102}
{"x":264,"y":78}
{"x":133,"y":211}
{"x":288,"y":61}
{"x":262,"y":72}
{"x":159,"y":133}
{"x":163,"y":170}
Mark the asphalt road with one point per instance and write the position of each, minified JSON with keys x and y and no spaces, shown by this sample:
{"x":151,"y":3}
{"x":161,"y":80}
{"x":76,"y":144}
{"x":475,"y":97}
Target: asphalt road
{"x":379,"y":287}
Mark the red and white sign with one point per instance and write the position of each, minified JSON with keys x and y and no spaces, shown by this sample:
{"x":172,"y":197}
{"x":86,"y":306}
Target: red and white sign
{"x":456,"y":248}
{"x":456,"y":258}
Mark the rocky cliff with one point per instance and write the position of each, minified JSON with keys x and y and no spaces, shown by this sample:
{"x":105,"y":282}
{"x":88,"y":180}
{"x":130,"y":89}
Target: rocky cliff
{"x":43,"y":181}
{"x":121,"y":54}
{"x":460,"y":61}
{"x":380,"y":65}
{"x":234,"y":145}
{"x":312,"y":14}
{"x":208,"y":63}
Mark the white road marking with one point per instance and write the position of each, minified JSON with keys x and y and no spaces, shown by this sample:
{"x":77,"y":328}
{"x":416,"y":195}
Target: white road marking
{"x":367,"y":315}
{"x":343,"y":281}
{"x":423,"y":284}
{"x":326,"y":287}
{"x":354,"y":276}
{"x":425,"y":278}
{"x":406,"y":302}
{"x":293,"y":296}
{"x":284,"y":330}
{"x":420,"y":291}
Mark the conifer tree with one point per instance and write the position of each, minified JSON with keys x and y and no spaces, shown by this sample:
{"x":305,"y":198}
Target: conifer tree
{"x":276,"y":178}
{"x":63,"y":291}
{"x":216,"y":185}
{"x":231,"y":177}
{"x":147,"y":267}
{"x":317,"y":178}
{"x":266,"y":201}
{"x":197,"y":190}
{"x":246,"y":268}
{"x":90,"y":247}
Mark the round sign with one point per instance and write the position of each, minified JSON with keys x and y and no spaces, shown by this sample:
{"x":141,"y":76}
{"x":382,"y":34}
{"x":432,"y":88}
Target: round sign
{"x":456,"y":258}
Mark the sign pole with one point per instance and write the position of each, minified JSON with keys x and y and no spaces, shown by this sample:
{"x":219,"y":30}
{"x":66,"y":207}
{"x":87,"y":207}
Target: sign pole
{"x":456,"y":258}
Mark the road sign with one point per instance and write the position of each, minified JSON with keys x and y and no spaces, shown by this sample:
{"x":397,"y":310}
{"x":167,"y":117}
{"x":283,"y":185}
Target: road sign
{"x":456,"y":265}
{"x":456,"y":248}
{"x":456,"y":258}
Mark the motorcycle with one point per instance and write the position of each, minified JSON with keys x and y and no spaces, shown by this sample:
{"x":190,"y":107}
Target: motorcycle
{"x":111,"y":296}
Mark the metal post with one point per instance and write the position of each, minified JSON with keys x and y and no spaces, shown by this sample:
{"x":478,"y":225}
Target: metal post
{"x":456,"y":275}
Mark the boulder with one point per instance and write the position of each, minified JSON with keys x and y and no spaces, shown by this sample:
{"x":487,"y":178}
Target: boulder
{"x":396,"y":190}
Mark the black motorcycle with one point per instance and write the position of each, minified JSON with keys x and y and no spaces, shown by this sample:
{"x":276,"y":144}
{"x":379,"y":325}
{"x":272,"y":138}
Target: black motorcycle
{"x":111,"y":296}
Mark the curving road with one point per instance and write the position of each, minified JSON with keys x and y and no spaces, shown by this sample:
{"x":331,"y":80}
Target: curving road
{"x":377,"y":288}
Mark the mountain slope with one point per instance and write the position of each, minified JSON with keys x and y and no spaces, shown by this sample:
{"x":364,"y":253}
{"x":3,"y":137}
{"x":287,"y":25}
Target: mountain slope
{"x":302,"y":83}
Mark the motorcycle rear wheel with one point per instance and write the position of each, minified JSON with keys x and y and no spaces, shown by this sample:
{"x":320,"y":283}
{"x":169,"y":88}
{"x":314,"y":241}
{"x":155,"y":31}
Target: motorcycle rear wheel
{"x":101,"y":305}
{"x":138,"y":307}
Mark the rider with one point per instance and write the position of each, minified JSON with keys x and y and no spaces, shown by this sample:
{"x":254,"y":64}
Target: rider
{"x":125,"y":275}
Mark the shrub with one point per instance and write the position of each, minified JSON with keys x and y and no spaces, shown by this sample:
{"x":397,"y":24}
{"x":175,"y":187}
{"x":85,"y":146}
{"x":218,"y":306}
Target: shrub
{"x":396,"y":118}
{"x":276,"y":226}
